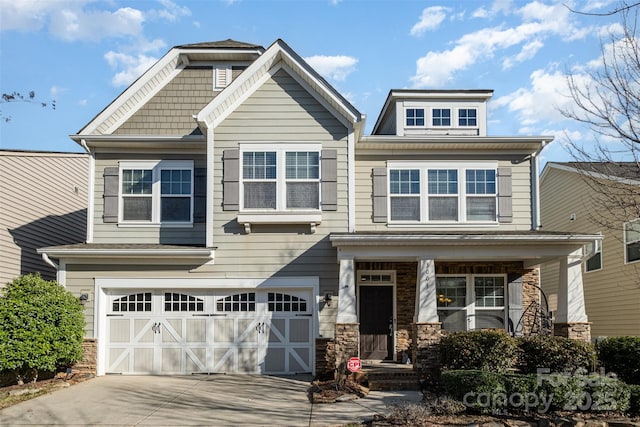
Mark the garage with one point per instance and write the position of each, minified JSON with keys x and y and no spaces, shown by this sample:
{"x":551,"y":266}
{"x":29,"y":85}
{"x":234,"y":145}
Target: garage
{"x":169,"y":331}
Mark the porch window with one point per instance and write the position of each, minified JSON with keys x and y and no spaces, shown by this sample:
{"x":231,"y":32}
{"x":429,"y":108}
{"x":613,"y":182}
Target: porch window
{"x":471,"y":302}
{"x":632,"y":240}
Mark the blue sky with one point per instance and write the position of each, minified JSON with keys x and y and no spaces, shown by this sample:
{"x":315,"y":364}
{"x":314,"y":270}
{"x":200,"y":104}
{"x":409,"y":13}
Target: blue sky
{"x":84,"y":53}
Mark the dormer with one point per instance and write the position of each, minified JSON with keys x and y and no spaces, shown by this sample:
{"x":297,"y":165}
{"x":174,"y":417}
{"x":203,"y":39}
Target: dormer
{"x":434,"y":113}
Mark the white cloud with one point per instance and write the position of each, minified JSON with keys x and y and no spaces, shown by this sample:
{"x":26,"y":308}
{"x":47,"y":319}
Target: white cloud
{"x":498,"y":6}
{"x":430,"y":19}
{"x":27,"y":15}
{"x":171,"y":12}
{"x":133,"y":66}
{"x":77,"y":24}
{"x":333,"y":67}
{"x":539,"y":22}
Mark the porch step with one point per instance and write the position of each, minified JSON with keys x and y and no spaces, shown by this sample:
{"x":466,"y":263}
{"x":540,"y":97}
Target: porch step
{"x":385,"y":377}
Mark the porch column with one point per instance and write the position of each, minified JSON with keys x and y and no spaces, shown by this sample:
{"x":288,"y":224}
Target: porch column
{"x":571,"y":317}
{"x":347,"y":334}
{"x":427,"y":328}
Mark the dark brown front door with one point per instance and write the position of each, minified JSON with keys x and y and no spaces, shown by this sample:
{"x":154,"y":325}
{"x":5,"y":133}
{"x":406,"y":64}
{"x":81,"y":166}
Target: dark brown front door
{"x":376,"y":320}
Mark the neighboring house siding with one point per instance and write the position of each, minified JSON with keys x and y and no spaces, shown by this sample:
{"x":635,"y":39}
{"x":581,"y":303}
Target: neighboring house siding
{"x":43,"y":199}
{"x":171,"y":110}
{"x":612,"y":294}
{"x":521,"y":190}
{"x":113,"y":233}
{"x":280,"y":111}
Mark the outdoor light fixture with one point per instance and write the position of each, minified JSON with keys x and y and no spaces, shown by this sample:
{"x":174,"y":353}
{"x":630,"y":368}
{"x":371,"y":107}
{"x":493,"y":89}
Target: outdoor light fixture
{"x":327,"y":298}
{"x":84,"y":298}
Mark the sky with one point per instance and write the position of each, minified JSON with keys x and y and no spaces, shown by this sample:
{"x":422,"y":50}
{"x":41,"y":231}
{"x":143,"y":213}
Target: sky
{"x":83,"y":53}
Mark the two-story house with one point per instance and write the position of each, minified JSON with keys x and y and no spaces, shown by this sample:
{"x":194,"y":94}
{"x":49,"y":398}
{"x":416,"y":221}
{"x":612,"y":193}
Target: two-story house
{"x":572,"y":200}
{"x":240,"y":221}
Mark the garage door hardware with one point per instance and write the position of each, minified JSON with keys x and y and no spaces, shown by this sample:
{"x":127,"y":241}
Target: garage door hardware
{"x":210,"y":315}
{"x":157,"y":328}
{"x":260,"y":327}
{"x":115,"y":315}
{"x":303,"y":315}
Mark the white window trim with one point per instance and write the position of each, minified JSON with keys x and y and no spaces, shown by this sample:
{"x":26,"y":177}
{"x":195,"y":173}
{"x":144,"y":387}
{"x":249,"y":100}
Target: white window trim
{"x":451,"y":117}
{"x":470,"y":307}
{"x":457,"y":120}
{"x":281,"y":188}
{"x":624,"y":236}
{"x":425,"y":118}
{"x":155,"y":166}
{"x":589,"y":255}
{"x":423,"y":167}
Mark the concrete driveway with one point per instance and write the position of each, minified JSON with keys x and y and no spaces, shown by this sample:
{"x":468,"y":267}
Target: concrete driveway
{"x":195,"y":400}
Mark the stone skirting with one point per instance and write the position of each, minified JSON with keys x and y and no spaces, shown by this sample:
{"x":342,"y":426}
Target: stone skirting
{"x":580,"y":331}
{"x":426,"y":357}
{"x":346,"y":345}
{"x":87,"y":367}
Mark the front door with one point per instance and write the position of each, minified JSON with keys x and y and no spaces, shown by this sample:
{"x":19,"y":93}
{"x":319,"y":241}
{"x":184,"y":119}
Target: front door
{"x":376,"y":322}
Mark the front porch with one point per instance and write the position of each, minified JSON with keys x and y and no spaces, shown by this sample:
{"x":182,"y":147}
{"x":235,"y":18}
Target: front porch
{"x":447,"y":283}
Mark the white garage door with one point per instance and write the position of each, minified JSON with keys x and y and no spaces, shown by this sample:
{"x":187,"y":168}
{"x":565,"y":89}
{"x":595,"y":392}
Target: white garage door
{"x":183,"y":332}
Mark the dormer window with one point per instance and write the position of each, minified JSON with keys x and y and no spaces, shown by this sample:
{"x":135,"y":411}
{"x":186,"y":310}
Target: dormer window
{"x":441,"y":116}
{"x":415,"y":116}
{"x":467,"y":117}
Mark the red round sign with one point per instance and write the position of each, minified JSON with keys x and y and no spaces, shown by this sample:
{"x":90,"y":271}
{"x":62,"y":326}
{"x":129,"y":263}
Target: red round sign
{"x":354,"y":364}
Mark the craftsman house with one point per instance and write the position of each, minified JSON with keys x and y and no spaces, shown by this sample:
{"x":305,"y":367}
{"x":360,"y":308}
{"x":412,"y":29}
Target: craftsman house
{"x":241,"y":221}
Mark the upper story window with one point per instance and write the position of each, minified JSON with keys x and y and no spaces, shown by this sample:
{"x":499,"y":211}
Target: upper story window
{"x":414,"y":116}
{"x":593,"y":260}
{"x":441,"y":117}
{"x":156,"y":192}
{"x":467,"y":117}
{"x":284,"y":178}
{"x":430,"y":192}
{"x":632,"y":240}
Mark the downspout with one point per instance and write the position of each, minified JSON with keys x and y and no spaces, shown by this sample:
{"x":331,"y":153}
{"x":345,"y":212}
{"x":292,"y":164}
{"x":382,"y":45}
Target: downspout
{"x":90,"y":190}
{"x":535,"y":188}
{"x":60,"y":268}
{"x":49,"y":261}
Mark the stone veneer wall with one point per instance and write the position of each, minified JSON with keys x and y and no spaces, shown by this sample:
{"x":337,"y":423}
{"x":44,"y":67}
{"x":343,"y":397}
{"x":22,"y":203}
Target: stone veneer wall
{"x":578,"y":331}
{"x":426,"y":357}
{"x":325,"y":358}
{"x":87,"y":367}
{"x":346,"y":345}
{"x":530,"y":296}
{"x":406,"y":279}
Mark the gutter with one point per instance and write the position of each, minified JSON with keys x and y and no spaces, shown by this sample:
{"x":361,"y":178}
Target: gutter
{"x":49,"y":261}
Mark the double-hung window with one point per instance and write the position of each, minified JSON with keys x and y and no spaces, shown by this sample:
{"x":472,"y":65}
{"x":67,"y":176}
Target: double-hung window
{"x":467,"y":117}
{"x":593,"y":261}
{"x":441,"y":117}
{"x":632,"y":240}
{"x":429,"y":192}
{"x":156,"y":192}
{"x":414,"y":116}
{"x":471,"y":302}
{"x":282,"y":178}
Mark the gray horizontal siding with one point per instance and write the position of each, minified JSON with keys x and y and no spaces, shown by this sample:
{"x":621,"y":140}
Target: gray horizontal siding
{"x":43,"y":198}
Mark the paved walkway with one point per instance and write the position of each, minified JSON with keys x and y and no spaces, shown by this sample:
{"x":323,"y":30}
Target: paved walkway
{"x":216,"y":400}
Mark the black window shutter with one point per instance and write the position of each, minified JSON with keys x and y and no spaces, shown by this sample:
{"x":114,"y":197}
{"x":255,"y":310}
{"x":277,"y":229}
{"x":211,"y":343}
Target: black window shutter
{"x":199,"y":195}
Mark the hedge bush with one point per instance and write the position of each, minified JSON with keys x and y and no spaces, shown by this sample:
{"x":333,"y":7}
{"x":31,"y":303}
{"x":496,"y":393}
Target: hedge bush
{"x":621,"y":355}
{"x":558,"y":354}
{"x":41,"y":327}
{"x":493,"y":351}
{"x":634,"y":400}
{"x":488,"y":392}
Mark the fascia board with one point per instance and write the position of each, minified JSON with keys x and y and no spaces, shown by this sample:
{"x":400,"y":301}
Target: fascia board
{"x":435,"y":239}
{"x":127,"y":253}
{"x":135,"y":90}
{"x":590,"y":174}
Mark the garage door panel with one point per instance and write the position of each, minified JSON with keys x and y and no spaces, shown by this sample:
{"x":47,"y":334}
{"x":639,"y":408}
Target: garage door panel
{"x":196,"y":360}
{"x":277,"y":331}
{"x":171,"y":360}
{"x":223,"y":330}
{"x":274,"y":361}
{"x":300,"y":330}
{"x":142,"y":359}
{"x":118,"y":360}
{"x":196,"y":331}
{"x":119,"y":330}
{"x":247,"y":360}
{"x":300,"y":360}
{"x":172,"y":331}
{"x":224,"y":360}
{"x":142,"y":331}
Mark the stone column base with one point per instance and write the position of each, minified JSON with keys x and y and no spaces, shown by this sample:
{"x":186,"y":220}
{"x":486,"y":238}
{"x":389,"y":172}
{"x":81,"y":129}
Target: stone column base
{"x":325,"y":358}
{"x":426,"y":357}
{"x":347,"y":345}
{"x":580,"y":331}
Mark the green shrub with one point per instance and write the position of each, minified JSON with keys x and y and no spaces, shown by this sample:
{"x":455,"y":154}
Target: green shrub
{"x":558,"y":354}
{"x":493,"y":351}
{"x":621,"y":355}
{"x":473,"y":387}
{"x":41,"y":327}
{"x":634,"y":400}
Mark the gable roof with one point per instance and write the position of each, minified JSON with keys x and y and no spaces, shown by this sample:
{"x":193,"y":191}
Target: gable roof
{"x":279,"y":56}
{"x":158,"y":76}
{"x":625,"y":172}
